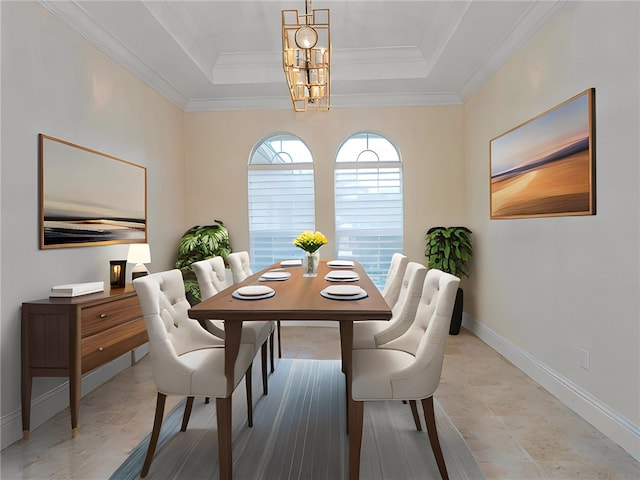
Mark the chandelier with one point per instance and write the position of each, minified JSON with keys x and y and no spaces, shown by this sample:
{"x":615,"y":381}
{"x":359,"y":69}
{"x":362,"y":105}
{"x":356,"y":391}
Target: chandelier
{"x":306,"y":57}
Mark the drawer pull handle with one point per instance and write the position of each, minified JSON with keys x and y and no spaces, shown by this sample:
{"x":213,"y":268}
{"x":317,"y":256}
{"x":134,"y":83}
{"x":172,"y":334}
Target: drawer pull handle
{"x":100,"y":349}
{"x":103,"y":315}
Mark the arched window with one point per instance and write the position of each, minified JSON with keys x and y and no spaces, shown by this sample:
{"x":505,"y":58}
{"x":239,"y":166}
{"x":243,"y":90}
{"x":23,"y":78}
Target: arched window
{"x":281,"y":198}
{"x":368,"y":202}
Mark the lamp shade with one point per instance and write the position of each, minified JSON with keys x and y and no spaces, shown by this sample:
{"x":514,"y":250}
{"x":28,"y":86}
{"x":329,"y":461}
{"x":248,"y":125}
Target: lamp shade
{"x":139,"y":253}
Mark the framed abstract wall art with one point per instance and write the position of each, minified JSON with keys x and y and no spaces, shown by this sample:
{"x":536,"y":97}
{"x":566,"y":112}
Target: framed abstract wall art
{"x":89,"y":198}
{"x":546,"y":166}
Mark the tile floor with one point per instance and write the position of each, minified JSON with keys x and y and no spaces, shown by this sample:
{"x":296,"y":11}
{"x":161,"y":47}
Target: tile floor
{"x":515,"y":429}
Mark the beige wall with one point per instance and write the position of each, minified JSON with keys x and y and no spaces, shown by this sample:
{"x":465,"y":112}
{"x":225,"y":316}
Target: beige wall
{"x":56,"y":83}
{"x":218,"y":146}
{"x":547,"y":287}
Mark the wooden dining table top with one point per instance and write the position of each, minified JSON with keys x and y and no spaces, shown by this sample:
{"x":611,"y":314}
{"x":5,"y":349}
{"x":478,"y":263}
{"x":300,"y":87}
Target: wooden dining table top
{"x":297,"y":298}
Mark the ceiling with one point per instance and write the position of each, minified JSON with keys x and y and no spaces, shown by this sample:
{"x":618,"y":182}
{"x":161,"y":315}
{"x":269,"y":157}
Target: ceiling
{"x":226,"y":55}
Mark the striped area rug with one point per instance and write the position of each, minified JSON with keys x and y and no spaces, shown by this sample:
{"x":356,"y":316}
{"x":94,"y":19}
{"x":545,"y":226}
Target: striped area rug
{"x":299,"y":432}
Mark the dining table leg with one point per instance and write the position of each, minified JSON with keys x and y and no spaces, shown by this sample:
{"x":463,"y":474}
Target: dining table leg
{"x":223,"y":413}
{"x":232,"y":335}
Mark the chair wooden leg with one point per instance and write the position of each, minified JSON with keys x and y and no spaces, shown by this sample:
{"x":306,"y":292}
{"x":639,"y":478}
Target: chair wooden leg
{"x":265,"y":385}
{"x":346,"y":395}
{"x":279,"y":340}
{"x":271,"y":348}
{"x":187,"y":414}
{"x":223,"y":412}
{"x":247,"y":379}
{"x":155,"y":433}
{"x":416,"y":415}
{"x":430,"y":420}
{"x":356,"y":419}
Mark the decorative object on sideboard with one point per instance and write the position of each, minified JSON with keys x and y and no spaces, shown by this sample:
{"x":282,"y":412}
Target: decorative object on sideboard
{"x":139,"y":253}
{"x":117,"y":273}
{"x":76,"y":289}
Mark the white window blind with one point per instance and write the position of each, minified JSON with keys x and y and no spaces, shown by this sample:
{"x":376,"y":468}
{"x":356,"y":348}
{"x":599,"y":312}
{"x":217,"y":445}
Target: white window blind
{"x":281,"y":200}
{"x":368,"y":203}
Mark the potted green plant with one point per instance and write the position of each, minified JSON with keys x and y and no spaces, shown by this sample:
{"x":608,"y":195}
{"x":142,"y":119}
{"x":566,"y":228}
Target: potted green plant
{"x":449,"y":249}
{"x":199,"y":243}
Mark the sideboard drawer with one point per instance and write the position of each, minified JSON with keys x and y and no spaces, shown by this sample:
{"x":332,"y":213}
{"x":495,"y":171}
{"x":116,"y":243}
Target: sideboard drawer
{"x":107,"y":315}
{"x":110,"y":344}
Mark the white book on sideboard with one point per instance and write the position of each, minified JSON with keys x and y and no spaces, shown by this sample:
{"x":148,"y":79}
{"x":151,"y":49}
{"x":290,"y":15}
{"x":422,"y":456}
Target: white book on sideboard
{"x":76,"y":289}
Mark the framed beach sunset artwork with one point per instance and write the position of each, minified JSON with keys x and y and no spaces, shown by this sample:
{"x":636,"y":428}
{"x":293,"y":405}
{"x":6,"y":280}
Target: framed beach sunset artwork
{"x":546,"y":166}
{"x":89,"y":198}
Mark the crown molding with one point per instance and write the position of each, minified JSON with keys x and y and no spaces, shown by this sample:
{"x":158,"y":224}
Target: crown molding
{"x":535,"y":17}
{"x":80,"y":21}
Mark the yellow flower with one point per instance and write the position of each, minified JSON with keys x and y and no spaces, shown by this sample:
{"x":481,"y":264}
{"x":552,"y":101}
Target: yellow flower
{"x":310,"y":241}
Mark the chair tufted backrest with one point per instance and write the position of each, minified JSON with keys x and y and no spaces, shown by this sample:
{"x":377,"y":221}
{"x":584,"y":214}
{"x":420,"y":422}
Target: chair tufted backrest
{"x":403,"y":312}
{"x":211,"y":276}
{"x":392,"y":286}
{"x":165,"y":308}
{"x":240,"y":265}
{"x":427,"y":336}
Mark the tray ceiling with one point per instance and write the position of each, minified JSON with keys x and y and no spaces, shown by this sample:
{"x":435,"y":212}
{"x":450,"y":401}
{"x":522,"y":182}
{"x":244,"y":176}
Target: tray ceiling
{"x":225,"y":55}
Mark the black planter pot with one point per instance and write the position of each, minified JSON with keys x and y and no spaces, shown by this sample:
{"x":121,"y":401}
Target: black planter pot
{"x":456,"y":316}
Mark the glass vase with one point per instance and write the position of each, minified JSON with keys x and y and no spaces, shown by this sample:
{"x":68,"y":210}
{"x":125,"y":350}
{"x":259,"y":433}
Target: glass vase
{"x":311,"y":265}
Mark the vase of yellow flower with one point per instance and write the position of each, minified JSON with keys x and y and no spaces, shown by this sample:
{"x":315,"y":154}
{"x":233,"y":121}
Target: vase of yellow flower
{"x":311,"y":264}
{"x":310,"y":242}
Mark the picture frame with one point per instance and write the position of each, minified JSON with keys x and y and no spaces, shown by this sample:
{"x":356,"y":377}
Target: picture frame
{"x":88,"y":197}
{"x":545,"y":167}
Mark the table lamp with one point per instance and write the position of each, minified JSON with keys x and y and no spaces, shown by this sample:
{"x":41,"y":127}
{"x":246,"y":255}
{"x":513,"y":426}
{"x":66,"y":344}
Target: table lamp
{"x":139,"y":254}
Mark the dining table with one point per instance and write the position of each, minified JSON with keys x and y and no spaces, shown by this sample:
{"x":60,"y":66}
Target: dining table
{"x":300,"y":298}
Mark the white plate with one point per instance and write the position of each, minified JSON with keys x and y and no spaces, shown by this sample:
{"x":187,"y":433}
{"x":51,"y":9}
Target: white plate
{"x":252,"y":297}
{"x":344,"y":290}
{"x":340,"y":263}
{"x":254,"y":290}
{"x":342,"y":276}
{"x":327,"y":293}
{"x":291,"y":263}
{"x":275,"y":276}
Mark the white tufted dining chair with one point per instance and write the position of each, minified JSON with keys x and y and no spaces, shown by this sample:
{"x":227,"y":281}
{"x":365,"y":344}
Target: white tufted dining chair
{"x":369,"y":334}
{"x":393,"y":284}
{"x":211,"y":280}
{"x":408,"y":367}
{"x":185,"y":358}
{"x":240,"y":265}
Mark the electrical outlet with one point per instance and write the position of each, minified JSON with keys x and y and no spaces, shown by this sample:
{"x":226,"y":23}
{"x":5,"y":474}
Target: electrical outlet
{"x":584,"y":358}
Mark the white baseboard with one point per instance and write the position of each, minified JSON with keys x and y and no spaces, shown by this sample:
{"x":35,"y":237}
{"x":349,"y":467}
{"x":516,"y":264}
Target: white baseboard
{"x":56,"y":400}
{"x":615,"y":426}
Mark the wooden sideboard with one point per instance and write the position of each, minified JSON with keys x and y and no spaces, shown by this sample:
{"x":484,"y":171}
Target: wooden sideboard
{"x":68,"y":337}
